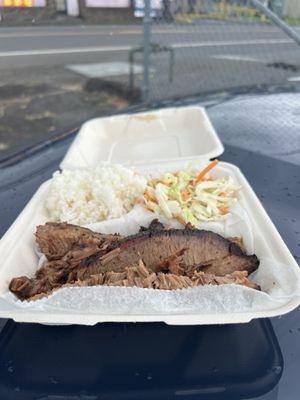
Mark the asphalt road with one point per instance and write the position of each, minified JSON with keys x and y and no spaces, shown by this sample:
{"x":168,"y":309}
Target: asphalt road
{"x":58,"y":45}
{"x":209,"y":56}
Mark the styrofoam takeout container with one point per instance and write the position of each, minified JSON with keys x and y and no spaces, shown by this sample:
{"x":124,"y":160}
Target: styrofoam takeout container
{"x":183,"y":134}
{"x":156,"y":136}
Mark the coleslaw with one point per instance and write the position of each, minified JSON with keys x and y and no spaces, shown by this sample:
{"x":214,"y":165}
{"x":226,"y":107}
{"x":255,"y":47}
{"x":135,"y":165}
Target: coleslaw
{"x":190,"y":196}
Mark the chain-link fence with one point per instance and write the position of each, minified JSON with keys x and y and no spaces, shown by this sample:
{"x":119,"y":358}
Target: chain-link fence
{"x":200,"y":47}
{"x":53,"y":78}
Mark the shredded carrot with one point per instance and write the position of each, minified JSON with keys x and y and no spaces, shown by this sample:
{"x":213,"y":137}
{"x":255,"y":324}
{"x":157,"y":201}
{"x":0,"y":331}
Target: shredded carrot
{"x":223,"y":194}
{"x":223,"y":210}
{"x":140,"y":201}
{"x":206,"y":170}
{"x":148,"y":197}
{"x":180,"y":220}
{"x":185,"y":195}
{"x":163,"y":183}
{"x":147,"y":207}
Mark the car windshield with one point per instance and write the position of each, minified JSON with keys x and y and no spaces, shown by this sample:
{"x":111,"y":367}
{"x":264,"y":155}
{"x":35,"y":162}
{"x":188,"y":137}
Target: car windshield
{"x":149,"y":199}
{"x":64,"y":62}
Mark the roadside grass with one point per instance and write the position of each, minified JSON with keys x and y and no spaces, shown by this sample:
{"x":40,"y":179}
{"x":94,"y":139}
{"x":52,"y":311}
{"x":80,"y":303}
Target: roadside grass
{"x":223,"y":11}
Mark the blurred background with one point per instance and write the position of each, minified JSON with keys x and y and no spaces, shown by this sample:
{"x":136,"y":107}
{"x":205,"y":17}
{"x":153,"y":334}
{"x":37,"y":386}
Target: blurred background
{"x":65,"y":61}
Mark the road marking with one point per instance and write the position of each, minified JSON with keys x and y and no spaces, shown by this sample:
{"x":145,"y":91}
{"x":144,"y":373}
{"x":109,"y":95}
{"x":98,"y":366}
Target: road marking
{"x":294,"y":79}
{"x":103,"y":70}
{"x":232,"y":43}
{"x":3,"y":146}
{"x":237,"y":58}
{"x":109,"y":49}
{"x":64,"y":51}
{"x":40,"y":34}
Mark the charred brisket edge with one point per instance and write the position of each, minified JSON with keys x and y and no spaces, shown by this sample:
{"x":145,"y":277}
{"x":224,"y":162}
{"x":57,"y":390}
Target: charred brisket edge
{"x":234,"y":247}
{"x":147,"y":234}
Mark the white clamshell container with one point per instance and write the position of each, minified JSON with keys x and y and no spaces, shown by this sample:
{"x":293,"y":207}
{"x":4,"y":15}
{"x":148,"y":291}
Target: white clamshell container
{"x":171,"y":134}
{"x":165,"y":139}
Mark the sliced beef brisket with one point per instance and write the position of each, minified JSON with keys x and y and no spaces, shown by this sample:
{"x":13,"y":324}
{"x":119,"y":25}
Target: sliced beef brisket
{"x":140,"y":277}
{"x":170,"y":257}
{"x":55,"y":240}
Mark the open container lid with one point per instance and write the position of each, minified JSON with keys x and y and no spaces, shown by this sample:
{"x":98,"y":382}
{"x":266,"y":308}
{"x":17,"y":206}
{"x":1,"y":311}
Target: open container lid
{"x":171,"y":134}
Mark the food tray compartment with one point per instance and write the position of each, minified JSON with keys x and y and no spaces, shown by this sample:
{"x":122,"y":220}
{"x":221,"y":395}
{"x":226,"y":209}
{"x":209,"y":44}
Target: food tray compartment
{"x":18,"y":244}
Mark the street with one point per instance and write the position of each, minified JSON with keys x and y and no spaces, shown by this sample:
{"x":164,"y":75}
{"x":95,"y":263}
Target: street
{"x":209,"y":56}
{"x":221,"y":46}
{"x":77,"y":43}
{"x":38,"y":69}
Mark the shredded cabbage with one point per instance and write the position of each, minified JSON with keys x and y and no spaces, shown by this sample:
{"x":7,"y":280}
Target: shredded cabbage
{"x":185,"y":197}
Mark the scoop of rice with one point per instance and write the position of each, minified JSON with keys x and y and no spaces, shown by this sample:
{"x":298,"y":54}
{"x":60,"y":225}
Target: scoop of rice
{"x":92,"y":195}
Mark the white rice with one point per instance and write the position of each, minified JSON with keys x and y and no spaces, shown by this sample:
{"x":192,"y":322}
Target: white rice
{"x":91,"y":195}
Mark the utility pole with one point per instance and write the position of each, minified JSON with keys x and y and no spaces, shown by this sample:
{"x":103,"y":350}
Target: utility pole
{"x":292,"y":33}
